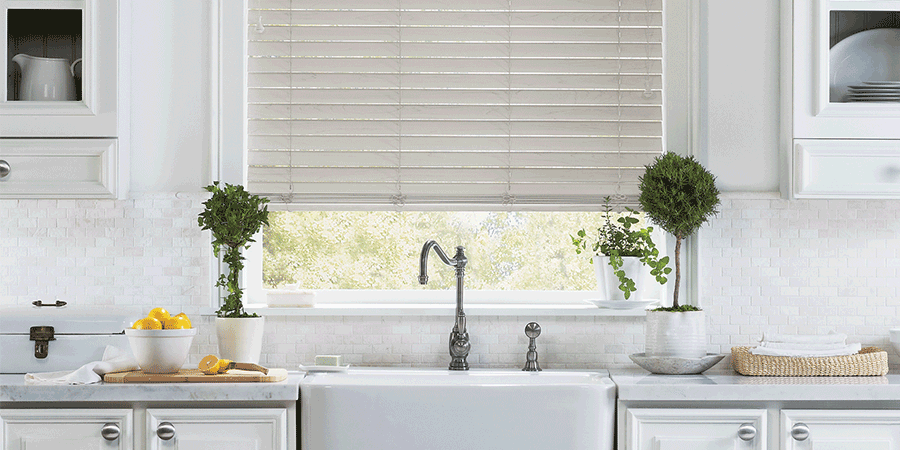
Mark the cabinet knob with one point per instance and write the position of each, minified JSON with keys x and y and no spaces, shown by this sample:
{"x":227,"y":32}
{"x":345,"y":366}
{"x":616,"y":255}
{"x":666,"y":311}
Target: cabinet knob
{"x":165,"y":431}
{"x":4,"y":169}
{"x":747,"y":431}
{"x":110,"y":431}
{"x":800,"y":431}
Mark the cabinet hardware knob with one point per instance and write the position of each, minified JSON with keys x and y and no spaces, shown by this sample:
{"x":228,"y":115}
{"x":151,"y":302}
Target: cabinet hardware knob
{"x":110,"y":432}
{"x":4,"y":169}
{"x":800,"y":431}
{"x":165,"y":431}
{"x":747,"y":432}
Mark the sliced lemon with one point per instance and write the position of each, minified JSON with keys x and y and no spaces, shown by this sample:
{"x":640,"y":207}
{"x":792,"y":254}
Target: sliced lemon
{"x":223,"y":365}
{"x":209,"y":365}
{"x":147,"y":323}
{"x":158,"y":314}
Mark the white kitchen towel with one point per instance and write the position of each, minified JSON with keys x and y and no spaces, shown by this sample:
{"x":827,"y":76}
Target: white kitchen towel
{"x":850,"y":349}
{"x":830,"y":338}
{"x":787,"y":346}
{"x":114,"y":360}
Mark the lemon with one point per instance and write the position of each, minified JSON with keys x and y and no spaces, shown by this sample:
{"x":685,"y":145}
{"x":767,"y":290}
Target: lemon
{"x":147,"y":323}
{"x":223,"y":365}
{"x":176,"y":323}
{"x":158,"y":314}
{"x":209,"y":365}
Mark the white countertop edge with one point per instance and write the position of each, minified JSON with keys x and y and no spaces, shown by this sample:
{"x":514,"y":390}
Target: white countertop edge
{"x":641,"y":386}
{"x":13,"y":389}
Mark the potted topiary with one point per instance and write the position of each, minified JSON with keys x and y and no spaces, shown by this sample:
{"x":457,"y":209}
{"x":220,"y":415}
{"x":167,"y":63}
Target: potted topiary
{"x":679,"y":195}
{"x":233,"y":215}
{"x":620,"y":251}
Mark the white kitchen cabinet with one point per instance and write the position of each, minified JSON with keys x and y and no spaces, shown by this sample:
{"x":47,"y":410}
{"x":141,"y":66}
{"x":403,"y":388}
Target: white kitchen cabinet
{"x":695,"y":429}
{"x":840,"y":429}
{"x":821,"y":127}
{"x":219,"y":429}
{"x":76,"y":429}
{"x":55,"y":165}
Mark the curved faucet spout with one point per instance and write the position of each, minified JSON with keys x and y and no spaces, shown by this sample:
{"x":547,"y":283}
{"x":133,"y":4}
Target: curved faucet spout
{"x":459,"y":337}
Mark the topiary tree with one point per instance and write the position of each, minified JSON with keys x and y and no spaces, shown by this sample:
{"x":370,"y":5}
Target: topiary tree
{"x":679,"y":195}
{"x":233,"y":215}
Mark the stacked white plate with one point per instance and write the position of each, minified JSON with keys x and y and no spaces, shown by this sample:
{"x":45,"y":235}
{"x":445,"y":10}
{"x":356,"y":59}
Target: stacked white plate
{"x":874,"y":91}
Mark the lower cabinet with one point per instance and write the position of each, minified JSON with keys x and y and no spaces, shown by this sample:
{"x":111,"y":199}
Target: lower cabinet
{"x":161,"y":428}
{"x":52,"y":429}
{"x":695,"y":429}
{"x":745,"y":429}
{"x":812,"y":429}
{"x":219,"y":429}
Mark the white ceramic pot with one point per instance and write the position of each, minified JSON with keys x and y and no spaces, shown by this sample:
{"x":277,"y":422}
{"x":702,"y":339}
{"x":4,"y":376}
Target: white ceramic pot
{"x":675,"y":334}
{"x":608,"y":282}
{"x":240,"y":339}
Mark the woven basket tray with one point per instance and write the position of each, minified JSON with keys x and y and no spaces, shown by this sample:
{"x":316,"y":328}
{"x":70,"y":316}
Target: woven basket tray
{"x":870,"y":361}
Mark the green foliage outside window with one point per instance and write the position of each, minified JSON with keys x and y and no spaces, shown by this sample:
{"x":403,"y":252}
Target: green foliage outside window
{"x":380,"y":250}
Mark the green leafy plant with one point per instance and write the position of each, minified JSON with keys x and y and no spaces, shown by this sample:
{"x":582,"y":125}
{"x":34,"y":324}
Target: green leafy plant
{"x":233,"y":215}
{"x":679,"y":195}
{"x":618,"y":240}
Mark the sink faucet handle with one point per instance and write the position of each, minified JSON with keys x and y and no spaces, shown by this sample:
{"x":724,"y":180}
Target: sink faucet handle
{"x":532,"y":331}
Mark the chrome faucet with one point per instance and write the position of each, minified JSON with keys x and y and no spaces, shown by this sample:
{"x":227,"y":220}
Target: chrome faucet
{"x":459,"y":337}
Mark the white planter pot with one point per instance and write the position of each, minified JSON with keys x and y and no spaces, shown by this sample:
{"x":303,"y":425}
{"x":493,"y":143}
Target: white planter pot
{"x":608,"y":282}
{"x":240,"y":339}
{"x":675,"y":334}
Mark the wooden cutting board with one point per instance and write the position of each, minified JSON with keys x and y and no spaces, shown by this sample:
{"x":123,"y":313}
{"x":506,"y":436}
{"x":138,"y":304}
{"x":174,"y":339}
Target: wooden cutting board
{"x":196,"y":376}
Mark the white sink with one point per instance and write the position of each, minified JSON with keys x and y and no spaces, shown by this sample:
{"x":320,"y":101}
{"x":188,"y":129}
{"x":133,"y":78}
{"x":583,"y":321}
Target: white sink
{"x":406,"y":409}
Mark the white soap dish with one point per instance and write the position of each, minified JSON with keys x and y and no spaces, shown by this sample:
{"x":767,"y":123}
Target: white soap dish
{"x":310,"y":369}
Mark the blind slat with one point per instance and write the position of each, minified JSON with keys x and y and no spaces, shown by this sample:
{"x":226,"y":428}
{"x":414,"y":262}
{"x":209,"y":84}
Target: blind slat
{"x":453,"y":103}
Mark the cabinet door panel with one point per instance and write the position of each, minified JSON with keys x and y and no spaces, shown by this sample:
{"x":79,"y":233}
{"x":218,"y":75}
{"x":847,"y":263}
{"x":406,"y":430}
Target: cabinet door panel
{"x":842,"y":429}
{"x":694,"y":429}
{"x":59,"y":168}
{"x":219,"y":429}
{"x":75,"y":429}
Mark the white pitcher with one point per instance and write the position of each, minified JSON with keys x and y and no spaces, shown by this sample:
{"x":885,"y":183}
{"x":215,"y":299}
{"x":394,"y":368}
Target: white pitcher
{"x":46,"y":79}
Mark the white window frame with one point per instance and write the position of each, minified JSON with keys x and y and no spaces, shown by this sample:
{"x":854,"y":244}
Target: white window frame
{"x":681,"y":68}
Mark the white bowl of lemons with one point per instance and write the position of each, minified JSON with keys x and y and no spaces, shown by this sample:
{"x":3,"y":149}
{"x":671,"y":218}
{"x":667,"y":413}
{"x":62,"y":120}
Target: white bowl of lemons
{"x":161,"y":342}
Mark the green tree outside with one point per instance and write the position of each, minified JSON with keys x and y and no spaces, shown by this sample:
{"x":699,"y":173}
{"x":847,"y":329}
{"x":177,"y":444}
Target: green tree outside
{"x":380,"y":250}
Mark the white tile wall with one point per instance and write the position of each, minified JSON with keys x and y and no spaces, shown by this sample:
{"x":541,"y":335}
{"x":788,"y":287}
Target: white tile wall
{"x":806,"y":266}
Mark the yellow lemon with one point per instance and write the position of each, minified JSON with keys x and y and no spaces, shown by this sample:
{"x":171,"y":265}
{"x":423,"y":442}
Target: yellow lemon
{"x":209,"y":365}
{"x":176,"y":323}
{"x":147,"y":323}
{"x":158,"y":314}
{"x":223,"y":365}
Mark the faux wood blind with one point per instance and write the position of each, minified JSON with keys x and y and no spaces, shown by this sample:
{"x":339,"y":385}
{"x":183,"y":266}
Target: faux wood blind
{"x":452,"y":104}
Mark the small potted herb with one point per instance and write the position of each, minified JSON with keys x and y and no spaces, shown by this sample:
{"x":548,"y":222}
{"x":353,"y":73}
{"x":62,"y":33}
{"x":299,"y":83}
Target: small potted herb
{"x":620,"y":250}
{"x":679,"y":195}
{"x":233,"y":216}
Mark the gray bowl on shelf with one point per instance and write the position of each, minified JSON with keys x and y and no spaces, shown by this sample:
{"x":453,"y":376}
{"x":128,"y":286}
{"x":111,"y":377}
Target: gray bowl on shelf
{"x":669,"y":365}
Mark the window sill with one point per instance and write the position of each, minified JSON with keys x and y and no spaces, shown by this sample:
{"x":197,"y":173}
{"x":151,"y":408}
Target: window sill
{"x":425,"y":309}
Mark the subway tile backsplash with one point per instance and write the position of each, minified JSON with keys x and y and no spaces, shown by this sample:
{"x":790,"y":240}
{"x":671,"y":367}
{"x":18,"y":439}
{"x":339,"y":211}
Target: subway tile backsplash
{"x":802,"y":266}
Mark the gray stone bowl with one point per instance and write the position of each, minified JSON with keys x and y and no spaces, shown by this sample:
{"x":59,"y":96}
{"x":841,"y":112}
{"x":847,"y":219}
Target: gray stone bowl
{"x":676,"y":366}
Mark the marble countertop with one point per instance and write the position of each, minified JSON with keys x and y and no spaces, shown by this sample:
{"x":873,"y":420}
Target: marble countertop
{"x":13,"y":389}
{"x":639,"y":385}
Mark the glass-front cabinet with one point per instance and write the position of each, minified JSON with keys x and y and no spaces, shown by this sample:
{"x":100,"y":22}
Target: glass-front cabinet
{"x":841,"y":98}
{"x":63,"y":107}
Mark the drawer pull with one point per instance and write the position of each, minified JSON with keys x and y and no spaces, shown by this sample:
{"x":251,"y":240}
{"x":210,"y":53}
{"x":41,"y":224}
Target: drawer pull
{"x":800,"y":431}
{"x":747,"y":432}
{"x":110,"y":432}
{"x":4,"y":169}
{"x":165,"y":431}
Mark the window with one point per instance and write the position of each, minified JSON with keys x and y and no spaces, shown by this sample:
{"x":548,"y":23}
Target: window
{"x":452,"y":104}
{"x":499,"y":107}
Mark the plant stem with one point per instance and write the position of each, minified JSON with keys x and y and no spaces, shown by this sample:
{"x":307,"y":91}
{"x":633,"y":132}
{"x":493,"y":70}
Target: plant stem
{"x":677,"y":269}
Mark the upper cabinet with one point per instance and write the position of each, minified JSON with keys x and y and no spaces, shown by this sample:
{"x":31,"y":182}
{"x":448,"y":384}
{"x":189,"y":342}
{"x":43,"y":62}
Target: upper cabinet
{"x":66,"y":79}
{"x":841,"y":98}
